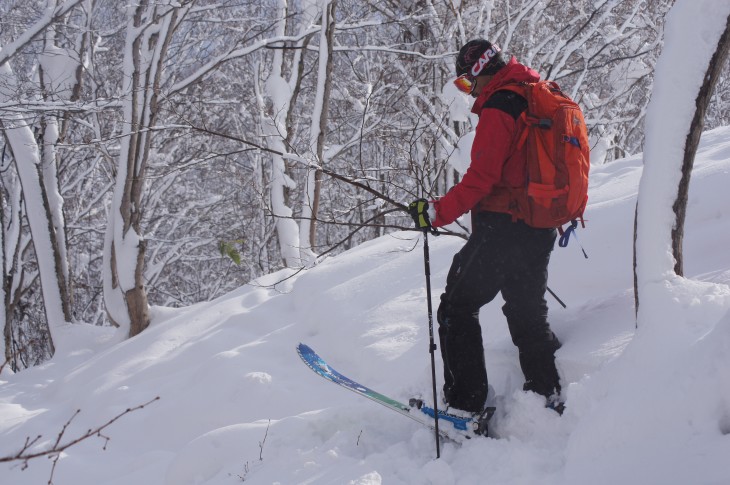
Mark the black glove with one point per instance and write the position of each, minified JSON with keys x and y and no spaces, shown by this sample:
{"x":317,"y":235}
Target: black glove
{"x":418,"y":209}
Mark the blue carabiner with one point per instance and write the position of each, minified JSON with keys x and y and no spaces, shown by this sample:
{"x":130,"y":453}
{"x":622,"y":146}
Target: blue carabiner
{"x":565,"y":237}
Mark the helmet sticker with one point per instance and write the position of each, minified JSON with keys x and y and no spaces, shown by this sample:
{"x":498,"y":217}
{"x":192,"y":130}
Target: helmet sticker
{"x":485,"y":58}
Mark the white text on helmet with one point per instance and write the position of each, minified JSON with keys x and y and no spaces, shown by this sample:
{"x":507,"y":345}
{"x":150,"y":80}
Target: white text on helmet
{"x":484,"y":59}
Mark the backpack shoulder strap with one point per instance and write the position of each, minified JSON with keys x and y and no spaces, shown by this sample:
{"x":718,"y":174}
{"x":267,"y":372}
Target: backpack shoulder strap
{"x":523,"y":89}
{"x":519,"y":88}
{"x":506,"y":100}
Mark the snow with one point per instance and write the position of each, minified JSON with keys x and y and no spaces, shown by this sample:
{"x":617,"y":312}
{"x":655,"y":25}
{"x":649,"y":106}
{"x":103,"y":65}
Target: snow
{"x":646,"y":404}
{"x":643,"y":405}
{"x":60,"y":69}
{"x":459,"y":105}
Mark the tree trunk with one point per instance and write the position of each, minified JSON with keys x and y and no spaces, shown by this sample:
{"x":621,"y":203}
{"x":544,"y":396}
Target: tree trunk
{"x":11,"y":247}
{"x":275,"y":108}
{"x":26,"y":155}
{"x":328,"y":24}
{"x":655,"y":262}
{"x":693,"y":139}
{"x":4,"y":289}
{"x":150,"y":29}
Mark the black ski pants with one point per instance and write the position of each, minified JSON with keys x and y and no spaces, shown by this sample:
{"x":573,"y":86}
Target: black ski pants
{"x":511,"y":258}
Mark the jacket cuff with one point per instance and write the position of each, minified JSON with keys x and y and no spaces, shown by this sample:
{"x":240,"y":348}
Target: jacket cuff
{"x":433,"y":214}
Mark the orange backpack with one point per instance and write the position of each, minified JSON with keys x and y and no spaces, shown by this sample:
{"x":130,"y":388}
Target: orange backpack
{"x":558,"y":156}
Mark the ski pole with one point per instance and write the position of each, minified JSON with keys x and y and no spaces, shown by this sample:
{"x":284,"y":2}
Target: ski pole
{"x":556,"y":297}
{"x":431,"y":344}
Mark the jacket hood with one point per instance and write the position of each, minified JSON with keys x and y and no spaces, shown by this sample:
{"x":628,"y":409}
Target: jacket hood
{"x":512,"y":73}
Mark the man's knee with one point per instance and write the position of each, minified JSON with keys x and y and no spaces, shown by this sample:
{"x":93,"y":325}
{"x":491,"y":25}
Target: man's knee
{"x":526,"y":312}
{"x":456,"y":319}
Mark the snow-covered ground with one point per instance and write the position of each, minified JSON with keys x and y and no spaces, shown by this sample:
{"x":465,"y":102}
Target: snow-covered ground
{"x":236,"y":403}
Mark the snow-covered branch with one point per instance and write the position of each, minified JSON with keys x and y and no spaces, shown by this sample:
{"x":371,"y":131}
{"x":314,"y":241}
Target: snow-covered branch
{"x":51,"y":14}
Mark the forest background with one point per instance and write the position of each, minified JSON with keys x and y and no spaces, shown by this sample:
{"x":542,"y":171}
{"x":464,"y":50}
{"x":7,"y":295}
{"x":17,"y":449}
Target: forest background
{"x":164,"y":153}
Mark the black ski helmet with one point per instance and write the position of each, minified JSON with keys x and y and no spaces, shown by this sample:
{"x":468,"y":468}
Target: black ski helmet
{"x":470,"y":53}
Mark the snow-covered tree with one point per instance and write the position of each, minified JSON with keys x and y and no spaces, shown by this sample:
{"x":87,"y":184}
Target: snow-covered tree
{"x":27,"y":156}
{"x":714,"y":68}
{"x":684,"y":77}
{"x":318,"y":128}
{"x":4,"y":320}
{"x":274,"y":106}
{"x":150,"y":29}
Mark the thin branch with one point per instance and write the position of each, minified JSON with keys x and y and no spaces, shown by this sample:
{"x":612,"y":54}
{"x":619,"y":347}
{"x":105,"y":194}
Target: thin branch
{"x":262,"y":443}
{"x":311,"y":165}
{"x":54,"y":452}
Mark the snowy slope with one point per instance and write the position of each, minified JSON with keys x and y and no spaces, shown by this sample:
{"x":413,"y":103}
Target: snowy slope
{"x":237,"y":404}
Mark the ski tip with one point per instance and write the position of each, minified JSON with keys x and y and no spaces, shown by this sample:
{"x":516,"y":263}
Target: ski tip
{"x":305,"y":351}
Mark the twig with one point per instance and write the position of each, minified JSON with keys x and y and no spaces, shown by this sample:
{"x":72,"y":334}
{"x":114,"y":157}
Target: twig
{"x":262,"y":443}
{"x":54,"y":452}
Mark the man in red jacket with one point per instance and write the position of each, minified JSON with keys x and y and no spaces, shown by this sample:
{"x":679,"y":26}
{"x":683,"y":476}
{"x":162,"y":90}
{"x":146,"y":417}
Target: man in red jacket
{"x":503,"y":254}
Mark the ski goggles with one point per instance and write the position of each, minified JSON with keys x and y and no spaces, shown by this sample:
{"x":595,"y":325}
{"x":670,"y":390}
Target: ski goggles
{"x":465,"y":83}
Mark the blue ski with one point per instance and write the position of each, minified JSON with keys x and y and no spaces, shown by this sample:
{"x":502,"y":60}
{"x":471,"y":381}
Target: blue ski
{"x":453,"y":427}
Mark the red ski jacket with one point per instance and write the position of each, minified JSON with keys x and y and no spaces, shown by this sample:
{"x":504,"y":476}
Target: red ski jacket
{"x":495,"y":162}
